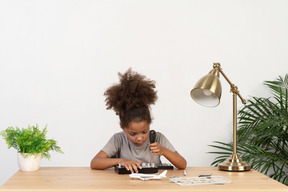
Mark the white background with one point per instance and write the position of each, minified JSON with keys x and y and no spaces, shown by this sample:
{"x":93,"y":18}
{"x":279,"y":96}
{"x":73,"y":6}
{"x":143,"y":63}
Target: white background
{"x":58,"y":57}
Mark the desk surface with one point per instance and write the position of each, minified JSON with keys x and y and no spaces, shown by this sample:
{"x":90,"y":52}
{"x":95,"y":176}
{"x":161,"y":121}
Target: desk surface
{"x":84,"y":179}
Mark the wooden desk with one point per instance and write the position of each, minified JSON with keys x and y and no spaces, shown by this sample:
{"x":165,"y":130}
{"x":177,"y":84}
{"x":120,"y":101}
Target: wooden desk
{"x":85,"y":179}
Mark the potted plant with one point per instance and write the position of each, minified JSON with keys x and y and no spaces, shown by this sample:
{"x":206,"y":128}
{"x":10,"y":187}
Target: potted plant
{"x":31,"y":145}
{"x":262,"y":134}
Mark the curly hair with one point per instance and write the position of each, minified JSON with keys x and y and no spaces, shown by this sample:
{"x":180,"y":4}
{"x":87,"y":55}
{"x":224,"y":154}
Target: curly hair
{"x":131,"y":98}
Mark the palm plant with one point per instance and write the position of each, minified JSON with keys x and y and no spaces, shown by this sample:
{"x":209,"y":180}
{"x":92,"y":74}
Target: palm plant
{"x":262,"y":135}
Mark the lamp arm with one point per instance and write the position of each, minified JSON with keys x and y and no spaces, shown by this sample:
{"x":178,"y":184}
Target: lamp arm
{"x":234,"y":89}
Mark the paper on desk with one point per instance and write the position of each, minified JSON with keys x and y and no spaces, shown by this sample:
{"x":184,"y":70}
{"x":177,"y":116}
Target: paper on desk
{"x":186,"y":181}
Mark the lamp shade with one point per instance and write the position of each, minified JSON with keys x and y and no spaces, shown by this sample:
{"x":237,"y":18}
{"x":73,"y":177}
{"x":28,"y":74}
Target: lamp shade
{"x":207,"y":91}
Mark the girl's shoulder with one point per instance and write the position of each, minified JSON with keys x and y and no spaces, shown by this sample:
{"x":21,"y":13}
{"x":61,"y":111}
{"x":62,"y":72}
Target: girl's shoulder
{"x":160,"y":136}
{"x":120,"y":136}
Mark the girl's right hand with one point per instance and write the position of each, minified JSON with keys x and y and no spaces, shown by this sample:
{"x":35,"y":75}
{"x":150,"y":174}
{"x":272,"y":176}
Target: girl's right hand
{"x":131,"y":165}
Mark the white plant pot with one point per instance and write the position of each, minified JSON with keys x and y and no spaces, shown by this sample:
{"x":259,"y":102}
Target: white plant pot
{"x":28,"y":162}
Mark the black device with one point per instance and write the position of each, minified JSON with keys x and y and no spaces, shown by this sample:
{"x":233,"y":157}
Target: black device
{"x":145,"y":169}
{"x":122,"y":170}
{"x":152,"y":136}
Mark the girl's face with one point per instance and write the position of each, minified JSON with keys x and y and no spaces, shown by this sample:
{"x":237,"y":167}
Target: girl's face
{"x":137,"y":132}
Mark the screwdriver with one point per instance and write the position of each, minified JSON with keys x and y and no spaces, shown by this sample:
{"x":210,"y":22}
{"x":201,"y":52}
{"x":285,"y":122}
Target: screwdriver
{"x":152,"y":138}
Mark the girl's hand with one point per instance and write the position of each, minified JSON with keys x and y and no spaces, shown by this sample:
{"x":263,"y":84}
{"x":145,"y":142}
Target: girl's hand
{"x":157,"y":149}
{"x":174,"y":157}
{"x":131,"y":165}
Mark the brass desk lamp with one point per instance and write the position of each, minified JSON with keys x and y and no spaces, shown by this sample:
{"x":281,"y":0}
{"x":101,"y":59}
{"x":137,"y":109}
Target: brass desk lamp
{"x":207,"y":92}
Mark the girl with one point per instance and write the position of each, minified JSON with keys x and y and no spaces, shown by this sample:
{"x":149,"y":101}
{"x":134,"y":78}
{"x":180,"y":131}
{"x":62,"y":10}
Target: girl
{"x":131,"y":99}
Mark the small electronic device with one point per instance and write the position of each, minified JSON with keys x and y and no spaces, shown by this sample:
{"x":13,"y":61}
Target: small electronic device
{"x":146,"y":168}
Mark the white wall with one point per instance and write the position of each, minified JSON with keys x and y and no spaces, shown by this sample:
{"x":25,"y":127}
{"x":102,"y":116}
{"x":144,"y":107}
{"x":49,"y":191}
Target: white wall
{"x":58,"y":57}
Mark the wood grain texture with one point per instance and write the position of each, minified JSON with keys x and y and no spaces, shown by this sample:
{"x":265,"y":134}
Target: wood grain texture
{"x":84,"y":179}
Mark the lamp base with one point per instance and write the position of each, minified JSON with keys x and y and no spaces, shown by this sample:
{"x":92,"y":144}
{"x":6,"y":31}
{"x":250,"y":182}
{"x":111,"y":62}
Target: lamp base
{"x":234,"y":163}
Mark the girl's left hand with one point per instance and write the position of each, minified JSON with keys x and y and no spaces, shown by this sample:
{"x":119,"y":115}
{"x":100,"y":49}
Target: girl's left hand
{"x":174,"y":157}
{"x":157,"y":149}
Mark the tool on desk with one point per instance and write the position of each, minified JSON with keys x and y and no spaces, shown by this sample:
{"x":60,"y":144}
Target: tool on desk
{"x":152,"y":138}
{"x":207,"y":175}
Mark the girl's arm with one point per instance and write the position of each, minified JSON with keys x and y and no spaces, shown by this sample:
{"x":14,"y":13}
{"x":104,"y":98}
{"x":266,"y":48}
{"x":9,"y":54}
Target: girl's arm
{"x":102,"y":161}
{"x":174,"y":157}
